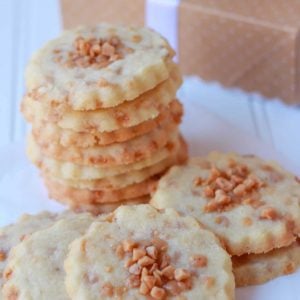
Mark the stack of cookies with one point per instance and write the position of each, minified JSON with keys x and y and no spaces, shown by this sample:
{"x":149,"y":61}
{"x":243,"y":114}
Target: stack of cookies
{"x":251,"y":205}
{"x":102,"y":103}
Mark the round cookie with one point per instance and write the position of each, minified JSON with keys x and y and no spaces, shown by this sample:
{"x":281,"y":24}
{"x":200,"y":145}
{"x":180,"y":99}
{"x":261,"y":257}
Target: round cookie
{"x":252,"y":269}
{"x":61,"y":190}
{"x":13,"y":234}
{"x":147,"y":106}
{"x":104,"y":208}
{"x":147,"y":257}
{"x":98,"y":67}
{"x":67,"y":170}
{"x":50,"y":131}
{"x":67,"y":194}
{"x":35,"y":266}
{"x":123,"y":180}
{"x":251,"y":205}
{"x":127,"y":152}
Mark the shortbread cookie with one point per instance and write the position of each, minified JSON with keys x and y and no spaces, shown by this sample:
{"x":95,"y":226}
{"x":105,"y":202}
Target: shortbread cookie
{"x":104,"y":208}
{"x":123,"y":180}
{"x":147,"y":257}
{"x":255,"y":269}
{"x":67,"y":170}
{"x":67,"y":194}
{"x":51,"y":132}
{"x":92,"y":194}
{"x":12,"y":234}
{"x":252,"y":205}
{"x":98,"y":67}
{"x":128,"y":152}
{"x":147,"y":106}
{"x":35,"y":266}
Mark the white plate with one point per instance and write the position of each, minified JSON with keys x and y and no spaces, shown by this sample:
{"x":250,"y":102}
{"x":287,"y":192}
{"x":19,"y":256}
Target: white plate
{"x":21,"y":189}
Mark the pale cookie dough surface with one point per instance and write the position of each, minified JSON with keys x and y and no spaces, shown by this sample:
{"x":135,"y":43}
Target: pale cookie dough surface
{"x":67,"y":137}
{"x":67,"y":69}
{"x":127,"y":152}
{"x":198,"y":267}
{"x":12,"y":235}
{"x":255,"y":269}
{"x":252,"y":205}
{"x":147,"y":106}
{"x":35,"y":266}
{"x":67,"y":170}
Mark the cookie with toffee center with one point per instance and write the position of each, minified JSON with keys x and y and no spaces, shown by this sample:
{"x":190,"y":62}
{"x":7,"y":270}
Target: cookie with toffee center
{"x":250,"y":204}
{"x":35,"y":266}
{"x":147,"y":257}
{"x":98,"y":67}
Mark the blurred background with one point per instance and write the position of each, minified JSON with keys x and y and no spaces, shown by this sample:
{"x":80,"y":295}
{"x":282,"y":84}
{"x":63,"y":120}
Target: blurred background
{"x":27,"y":24}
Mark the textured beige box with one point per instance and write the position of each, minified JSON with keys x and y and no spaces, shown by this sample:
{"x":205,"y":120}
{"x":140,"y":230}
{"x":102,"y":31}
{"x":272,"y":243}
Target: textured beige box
{"x":253,"y":44}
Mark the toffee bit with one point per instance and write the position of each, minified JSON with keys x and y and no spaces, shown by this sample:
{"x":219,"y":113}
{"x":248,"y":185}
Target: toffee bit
{"x":222,"y":220}
{"x":108,"y":269}
{"x":289,"y":268}
{"x":198,"y":261}
{"x":144,"y":290}
{"x":209,"y":281}
{"x":120,"y":251}
{"x":135,"y":269}
{"x":209,"y":192}
{"x":161,"y":245}
{"x":269,"y":214}
{"x":2,"y":255}
{"x":128,"y":245}
{"x":168,"y":272}
{"x":145,"y":261}
{"x":173,"y":288}
{"x":181,"y":274}
{"x":150,"y":270}
{"x":224,"y":184}
{"x":7,"y":274}
{"x":108,"y":289}
{"x":133,"y":281}
{"x":158,"y":293}
{"x":198,"y":181}
{"x":225,"y":189}
{"x":247,"y":221}
{"x":97,"y":53}
{"x":136,"y":38}
{"x":211,"y":207}
{"x":149,"y":280}
{"x":152,"y":251}
{"x":138,"y":253}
